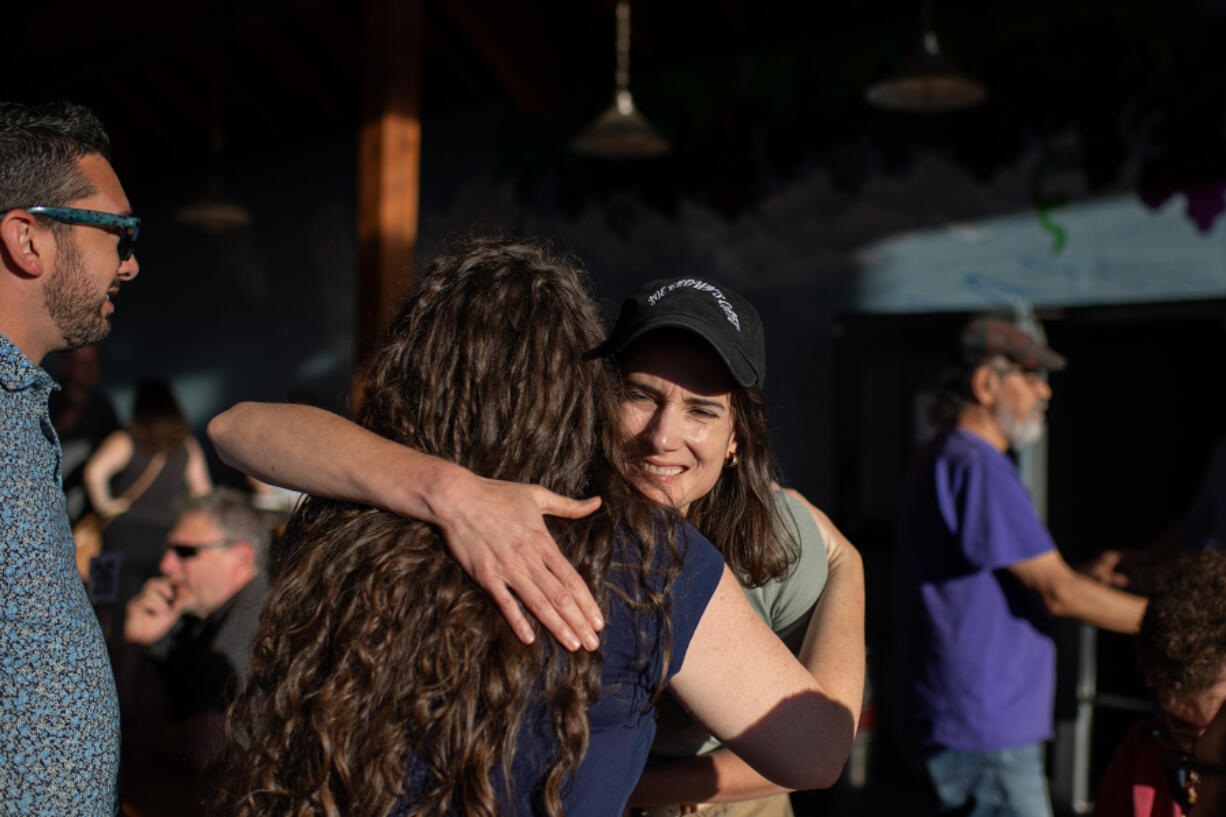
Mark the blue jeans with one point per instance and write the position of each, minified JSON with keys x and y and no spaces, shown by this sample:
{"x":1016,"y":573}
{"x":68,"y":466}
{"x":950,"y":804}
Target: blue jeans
{"x":1008,"y":783}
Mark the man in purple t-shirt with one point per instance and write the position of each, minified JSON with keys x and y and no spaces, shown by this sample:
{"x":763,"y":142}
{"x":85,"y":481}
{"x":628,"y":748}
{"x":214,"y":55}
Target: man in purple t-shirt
{"x":979,"y":579}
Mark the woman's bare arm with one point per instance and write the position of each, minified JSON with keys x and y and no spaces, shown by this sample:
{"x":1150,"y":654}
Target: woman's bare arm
{"x":112,"y":455}
{"x":199,"y":482}
{"x":495,"y":529}
{"x":741,"y":682}
{"x":833,"y":652}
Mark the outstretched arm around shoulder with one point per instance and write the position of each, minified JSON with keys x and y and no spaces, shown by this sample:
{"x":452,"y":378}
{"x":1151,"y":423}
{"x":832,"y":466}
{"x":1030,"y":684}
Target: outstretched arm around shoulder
{"x":741,"y":682}
{"x":833,"y":653}
{"x":495,"y":529}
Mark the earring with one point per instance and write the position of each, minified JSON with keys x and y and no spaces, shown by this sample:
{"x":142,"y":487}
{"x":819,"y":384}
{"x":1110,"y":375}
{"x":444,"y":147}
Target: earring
{"x":733,"y":460}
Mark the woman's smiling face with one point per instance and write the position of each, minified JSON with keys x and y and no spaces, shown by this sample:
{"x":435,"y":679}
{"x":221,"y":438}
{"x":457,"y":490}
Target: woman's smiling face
{"x":676,"y":416}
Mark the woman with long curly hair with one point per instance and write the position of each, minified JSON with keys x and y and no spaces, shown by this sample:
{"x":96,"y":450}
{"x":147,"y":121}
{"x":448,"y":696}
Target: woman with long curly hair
{"x":691,"y":360}
{"x":384,"y":679}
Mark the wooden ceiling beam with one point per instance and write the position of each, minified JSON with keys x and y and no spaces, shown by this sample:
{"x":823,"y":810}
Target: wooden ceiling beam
{"x":336,"y":43}
{"x":227,"y":96}
{"x":290,"y":71}
{"x":518,"y":54}
{"x":738,"y":20}
{"x":170,"y":93}
{"x":442,"y":45}
{"x":389,"y":165}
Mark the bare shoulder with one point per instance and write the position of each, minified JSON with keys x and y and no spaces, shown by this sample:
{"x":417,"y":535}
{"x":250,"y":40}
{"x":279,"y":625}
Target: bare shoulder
{"x":823,"y":521}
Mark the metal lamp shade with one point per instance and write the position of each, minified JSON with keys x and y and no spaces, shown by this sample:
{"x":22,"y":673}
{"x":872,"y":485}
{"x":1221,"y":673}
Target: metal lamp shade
{"x":621,"y":132}
{"x":928,"y":82}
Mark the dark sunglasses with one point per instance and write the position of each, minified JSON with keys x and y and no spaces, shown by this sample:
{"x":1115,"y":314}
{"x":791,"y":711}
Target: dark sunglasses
{"x":190,"y":551}
{"x":129,"y":226}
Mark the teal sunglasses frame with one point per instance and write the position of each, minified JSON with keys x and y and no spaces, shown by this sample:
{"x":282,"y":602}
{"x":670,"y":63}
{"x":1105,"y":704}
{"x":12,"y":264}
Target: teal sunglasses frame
{"x":129,"y":226}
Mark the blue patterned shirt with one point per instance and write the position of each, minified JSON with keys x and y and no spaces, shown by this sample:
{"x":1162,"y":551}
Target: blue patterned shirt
{"x":59,"y":714}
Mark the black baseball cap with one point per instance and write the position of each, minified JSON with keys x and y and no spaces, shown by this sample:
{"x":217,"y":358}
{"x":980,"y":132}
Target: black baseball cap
{"x":987,"y":337}
{"x":721,"y":317}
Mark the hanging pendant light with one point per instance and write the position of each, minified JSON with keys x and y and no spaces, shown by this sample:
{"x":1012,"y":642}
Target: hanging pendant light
{"x":621,"y":132}
{"x":928,"y":82}
{"x":214,"y":210}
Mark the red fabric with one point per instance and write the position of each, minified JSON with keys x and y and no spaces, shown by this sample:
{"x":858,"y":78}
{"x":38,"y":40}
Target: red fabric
{"x":1134,"y":784}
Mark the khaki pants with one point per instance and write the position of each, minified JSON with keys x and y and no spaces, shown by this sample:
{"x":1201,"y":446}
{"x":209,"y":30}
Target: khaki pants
{"x":777,"y":805}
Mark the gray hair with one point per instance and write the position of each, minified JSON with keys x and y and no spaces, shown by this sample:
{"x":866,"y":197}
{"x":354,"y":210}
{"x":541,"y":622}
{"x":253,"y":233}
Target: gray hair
{"x":953,"y":392}
{"x":238,"y":519}
{"x":40,"y":146}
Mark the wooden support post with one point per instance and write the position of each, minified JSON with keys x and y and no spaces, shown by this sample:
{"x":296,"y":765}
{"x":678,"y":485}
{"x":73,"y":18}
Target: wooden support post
{"x":389,"y":165}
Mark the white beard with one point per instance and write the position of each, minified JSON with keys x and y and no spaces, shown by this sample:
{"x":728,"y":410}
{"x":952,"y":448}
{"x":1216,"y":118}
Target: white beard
{"x":1020,"y":431}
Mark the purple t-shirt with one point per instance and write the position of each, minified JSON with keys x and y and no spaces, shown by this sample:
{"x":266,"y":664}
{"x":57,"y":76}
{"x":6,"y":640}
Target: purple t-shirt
{"x":976,"y":657}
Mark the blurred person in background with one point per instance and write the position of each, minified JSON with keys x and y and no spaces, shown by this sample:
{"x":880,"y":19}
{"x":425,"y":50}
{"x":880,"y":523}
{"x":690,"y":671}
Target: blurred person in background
{"x":66,"y":245}
{"x":1160,"y":767}
{"x":187,"y":649}
{"x":136,"y":478}
{"x":978,"y":579}
{"x":83,"y":417}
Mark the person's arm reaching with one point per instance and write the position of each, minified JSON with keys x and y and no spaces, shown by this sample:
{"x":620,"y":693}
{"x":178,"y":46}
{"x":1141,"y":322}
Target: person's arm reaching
{"x":1065,"y":592}
{"x":112,"y":455}
{"x":495,"y":529}
{"x":778,"y":718}
{"x":833,"y":652}
{"x":199,"y":482}
{"x":1131,"y":569}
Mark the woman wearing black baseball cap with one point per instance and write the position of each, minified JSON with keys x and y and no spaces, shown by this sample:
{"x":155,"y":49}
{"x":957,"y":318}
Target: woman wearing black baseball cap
{"x":692,"y":357}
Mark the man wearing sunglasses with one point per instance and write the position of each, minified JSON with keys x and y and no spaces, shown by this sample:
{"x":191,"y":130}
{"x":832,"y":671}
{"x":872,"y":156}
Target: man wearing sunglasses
{"x":187,"y":639}
{"x":979,"y":579}
{"x":1173,"y":763}
{"x":66,"y":235}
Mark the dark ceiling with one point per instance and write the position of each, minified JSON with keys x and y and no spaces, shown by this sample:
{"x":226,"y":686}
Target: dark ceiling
{"x":1127,"y":92}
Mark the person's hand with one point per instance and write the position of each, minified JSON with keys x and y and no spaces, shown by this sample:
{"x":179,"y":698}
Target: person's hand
{"x":151,"y":612}
{"x":1103,"y":568}
{"x":497,"y":533}
{"x":1118,"y":568}
{"x":114,"y":507}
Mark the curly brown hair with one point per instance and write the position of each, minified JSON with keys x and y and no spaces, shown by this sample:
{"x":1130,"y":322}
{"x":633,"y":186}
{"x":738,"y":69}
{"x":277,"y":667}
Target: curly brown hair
{"x":1181,"y":646}
{"x":377,"y":653}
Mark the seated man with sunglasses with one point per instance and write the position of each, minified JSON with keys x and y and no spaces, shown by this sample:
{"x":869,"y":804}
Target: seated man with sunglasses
{"x":1172,"y":764}
{"x":187,"y":637}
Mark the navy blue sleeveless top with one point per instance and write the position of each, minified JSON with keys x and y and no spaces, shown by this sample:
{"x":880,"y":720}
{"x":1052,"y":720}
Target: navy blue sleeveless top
{"x":622,"y":724}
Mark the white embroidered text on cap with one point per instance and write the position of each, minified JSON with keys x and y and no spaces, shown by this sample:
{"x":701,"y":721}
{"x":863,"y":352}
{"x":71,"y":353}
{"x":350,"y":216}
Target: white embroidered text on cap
{"x":701,"y":286}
